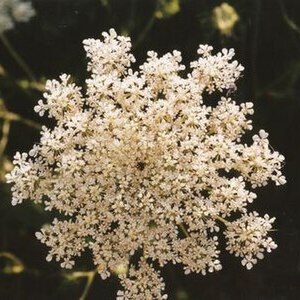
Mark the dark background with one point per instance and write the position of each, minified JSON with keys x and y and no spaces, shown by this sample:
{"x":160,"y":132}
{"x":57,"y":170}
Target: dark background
{"x":267,"y":43}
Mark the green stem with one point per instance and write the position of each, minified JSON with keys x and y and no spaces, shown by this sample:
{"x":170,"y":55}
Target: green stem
{"x":225,"y":222}
{"x":4,"y":138}
{"x":143,"y":34}
{"x":181,"y":226}
{"x":9,"y":116}
{"x":90,"y":279}
{"x":287,"y":19}
{"x":19,"y":60}
{"x":146,"y":29}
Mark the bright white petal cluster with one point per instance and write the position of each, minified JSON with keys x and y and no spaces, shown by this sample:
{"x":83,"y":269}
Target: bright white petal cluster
{"x":247,"y":238}
{"x":216,"y":72}
{"x":13,"y":11}
{"x":139,"y":167}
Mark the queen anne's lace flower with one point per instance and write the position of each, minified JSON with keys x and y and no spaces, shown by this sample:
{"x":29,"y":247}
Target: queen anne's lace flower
{"x":13,"y":11}
{"x":139,"y":166}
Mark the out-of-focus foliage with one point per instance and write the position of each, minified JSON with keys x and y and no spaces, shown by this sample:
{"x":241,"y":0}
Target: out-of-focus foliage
{"x":167,"y":8}
{"x":12,"y":264}
{"x":224,"y":18}
{"x":266,"y":37}
{"x":2,"y":71}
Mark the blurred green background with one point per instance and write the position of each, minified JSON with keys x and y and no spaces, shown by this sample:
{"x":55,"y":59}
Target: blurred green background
{"x":266,"y":37}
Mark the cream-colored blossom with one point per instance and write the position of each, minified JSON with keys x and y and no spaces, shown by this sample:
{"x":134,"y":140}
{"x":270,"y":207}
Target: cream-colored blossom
{"x":247,"y":238}
{"x":138,"y":165}
{"x":14,"y":11}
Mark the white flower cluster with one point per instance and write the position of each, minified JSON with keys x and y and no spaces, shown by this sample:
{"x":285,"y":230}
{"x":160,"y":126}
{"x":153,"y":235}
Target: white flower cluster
{"x":139,"y":166}
{"x":12,"y":11}
{"x":247,"y":238}
{"x":142,"y":284}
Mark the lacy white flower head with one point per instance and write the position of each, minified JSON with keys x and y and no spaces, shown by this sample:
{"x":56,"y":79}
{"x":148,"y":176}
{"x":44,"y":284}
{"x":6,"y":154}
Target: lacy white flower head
{"x":12,"y":11}
{"x":138,"y":165}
